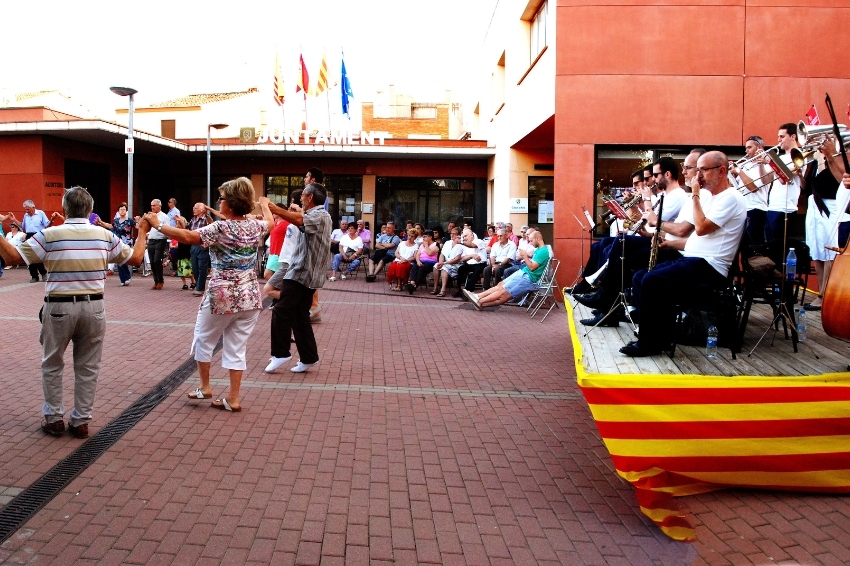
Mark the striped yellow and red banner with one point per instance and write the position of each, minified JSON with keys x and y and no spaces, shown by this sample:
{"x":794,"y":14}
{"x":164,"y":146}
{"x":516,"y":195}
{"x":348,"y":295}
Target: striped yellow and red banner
{"x":322,"y":83}
{"x":674,"y":435}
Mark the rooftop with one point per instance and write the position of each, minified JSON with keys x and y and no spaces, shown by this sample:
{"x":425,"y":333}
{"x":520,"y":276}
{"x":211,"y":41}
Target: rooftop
{"x":201,"y":99}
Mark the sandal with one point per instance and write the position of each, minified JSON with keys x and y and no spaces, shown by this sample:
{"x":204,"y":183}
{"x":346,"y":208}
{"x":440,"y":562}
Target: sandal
{"x":225,"y":406}
{"x":185,"y":288}
{"x":441,"y":294}
{"x":434,"y":292}
{"x":198,"y":394}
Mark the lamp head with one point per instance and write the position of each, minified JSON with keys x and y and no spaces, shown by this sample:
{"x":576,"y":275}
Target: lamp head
{"x":123,"y":90}
{"x":218,"y":126}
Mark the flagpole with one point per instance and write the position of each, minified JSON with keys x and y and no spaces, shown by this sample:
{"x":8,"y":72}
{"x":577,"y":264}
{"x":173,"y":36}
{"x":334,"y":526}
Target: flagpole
{"x":328,"y":100}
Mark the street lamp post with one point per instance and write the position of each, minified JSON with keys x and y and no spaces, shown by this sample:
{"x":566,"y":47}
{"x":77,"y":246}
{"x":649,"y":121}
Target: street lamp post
{"x":127,"y":91}
{"x":209,"y":141}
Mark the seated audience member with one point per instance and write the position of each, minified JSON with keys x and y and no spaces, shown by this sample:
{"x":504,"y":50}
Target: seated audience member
{"x":385,"y":248}
{"x":707,"y":256}
{"x":521,"y":282}
{"x":420,"y":228}
{"x":447,"y":235}
{"x":509,"y":228}
{"x":337,"y":235}
{"x":502,"y":255}
{"x":473,"y":261}
{"x":350,"y":250}
{"x":525,"y":245}
{"x":423,"y":262}
{"x":15,"y":235}
{"x":447,"y":266}
{"x":398,"y":272}
{"x":365,"y":236}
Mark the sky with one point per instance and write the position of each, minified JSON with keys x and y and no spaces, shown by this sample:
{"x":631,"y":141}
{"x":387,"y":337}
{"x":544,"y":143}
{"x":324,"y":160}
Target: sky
{"x":169,"y":49}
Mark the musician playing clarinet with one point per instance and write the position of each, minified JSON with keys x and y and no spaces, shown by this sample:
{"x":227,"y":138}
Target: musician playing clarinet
{"x":708,"y":254}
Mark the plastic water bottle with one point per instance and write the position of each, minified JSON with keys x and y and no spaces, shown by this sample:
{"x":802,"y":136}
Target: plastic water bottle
{"x":711,"y":343}
{"x":801,"y":326}
{"x":791,"y":265}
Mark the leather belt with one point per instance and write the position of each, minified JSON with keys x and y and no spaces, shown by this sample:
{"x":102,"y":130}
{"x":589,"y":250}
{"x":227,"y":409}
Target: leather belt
{"x":73,"y":298}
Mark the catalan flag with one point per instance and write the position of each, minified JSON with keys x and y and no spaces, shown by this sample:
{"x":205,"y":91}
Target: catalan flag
{"x":322,"y":84}
{"x":675,"y":435}
{"x":279,"y":95}
{"x":303,"y":78}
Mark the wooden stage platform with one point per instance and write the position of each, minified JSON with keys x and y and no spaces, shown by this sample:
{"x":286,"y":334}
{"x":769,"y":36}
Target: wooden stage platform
{"x":775,"y":356}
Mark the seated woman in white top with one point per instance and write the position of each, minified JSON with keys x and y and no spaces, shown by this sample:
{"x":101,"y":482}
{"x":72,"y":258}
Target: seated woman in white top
{"x":350,"y":250}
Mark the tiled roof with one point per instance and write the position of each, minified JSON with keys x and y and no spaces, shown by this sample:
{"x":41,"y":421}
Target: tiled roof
{"x":28,"y":95}
{"x":200,"y":99}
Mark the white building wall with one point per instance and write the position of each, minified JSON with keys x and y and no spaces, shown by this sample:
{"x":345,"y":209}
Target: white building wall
{"x":527,"y":105}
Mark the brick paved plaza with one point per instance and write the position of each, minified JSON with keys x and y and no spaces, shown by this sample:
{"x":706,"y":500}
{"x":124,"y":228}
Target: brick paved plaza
{"x":428,"y":433}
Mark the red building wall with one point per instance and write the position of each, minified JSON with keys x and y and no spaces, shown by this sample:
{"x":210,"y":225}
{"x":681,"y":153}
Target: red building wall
{"x":702,"y":73}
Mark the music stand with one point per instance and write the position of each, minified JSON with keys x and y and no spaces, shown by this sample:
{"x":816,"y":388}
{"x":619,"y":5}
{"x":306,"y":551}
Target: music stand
{"x":621,"y":301}
{"x":782,"y":313}
{"x":583,"y":229}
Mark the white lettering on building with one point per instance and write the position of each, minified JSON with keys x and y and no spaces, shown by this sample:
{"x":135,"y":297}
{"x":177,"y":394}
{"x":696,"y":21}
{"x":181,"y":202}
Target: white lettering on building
{"x":277,"y":136}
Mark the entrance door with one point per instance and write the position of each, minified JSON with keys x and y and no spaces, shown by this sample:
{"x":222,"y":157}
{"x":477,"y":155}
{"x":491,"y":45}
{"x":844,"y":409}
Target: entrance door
{"x":95,"y":178}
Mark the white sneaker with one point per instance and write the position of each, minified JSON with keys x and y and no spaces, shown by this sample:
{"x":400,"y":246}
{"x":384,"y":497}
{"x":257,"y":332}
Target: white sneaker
{"x":343,"y":277}
{"x":301,"y":367}
{"x":275,"y":363}
{"x":332,"y":279}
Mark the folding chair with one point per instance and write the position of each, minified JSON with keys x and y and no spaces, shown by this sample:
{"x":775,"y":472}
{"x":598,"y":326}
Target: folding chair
{"x":546,"y":290}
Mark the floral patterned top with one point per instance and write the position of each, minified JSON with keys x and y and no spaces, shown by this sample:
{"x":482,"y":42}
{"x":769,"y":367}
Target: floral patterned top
{"x":123,"y":228}
{"x":232,"y":286}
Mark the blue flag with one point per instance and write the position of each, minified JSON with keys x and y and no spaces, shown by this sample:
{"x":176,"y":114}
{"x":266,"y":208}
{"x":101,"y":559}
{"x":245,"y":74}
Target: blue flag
{"x":345,"y":90}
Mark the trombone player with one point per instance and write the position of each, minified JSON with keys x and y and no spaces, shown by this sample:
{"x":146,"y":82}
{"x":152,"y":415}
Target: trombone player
{"x":783,"y":197}
{"x":751,"y":173}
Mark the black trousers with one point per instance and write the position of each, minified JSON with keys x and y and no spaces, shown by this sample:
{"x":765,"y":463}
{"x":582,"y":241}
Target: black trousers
{"x":36,"y":268}
{"x":156,"y":251}
{"x":291,"y":315}
{"x":493,"y":276}
{"x":470,"y":274}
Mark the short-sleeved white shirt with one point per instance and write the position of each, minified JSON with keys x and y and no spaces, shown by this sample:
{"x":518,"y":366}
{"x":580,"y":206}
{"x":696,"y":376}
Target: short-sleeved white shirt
{"x":755,"y":200}
{"x":674,"y":200}
{"x":347,"y":243}
{"x":729,"y":211}
{"x":783,"y":198}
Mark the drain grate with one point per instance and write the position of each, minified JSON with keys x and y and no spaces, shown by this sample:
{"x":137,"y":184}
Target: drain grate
{"x":27,"y":503}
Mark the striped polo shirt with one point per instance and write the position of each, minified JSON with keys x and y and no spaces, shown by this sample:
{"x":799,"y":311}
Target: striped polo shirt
{"x":76,"y":255}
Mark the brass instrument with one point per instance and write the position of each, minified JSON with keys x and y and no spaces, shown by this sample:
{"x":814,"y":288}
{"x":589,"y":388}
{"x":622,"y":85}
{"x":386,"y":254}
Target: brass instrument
{"x":816,"y":134}
{"x":635,"y":228}
{"x":609,"y":217}
{"x":656,"y":239}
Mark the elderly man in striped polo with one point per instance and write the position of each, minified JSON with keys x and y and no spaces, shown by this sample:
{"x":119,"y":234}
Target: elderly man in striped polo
{"x":77,"y":255}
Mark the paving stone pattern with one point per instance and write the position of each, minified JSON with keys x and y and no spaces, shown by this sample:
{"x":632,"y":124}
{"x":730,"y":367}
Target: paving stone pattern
{"x":429,"y":433}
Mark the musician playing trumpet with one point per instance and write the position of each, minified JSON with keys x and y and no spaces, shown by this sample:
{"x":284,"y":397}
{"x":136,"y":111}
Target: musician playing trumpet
{"x":752,"y":176}
{"x":782,"y":196}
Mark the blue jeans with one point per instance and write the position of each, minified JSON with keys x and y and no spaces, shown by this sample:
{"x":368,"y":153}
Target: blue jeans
{"x":200,"y":259}
{"x":338,"y":259}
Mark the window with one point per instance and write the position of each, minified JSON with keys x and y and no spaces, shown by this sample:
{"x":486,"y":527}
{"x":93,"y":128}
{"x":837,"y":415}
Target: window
{"x":538,"y":31}
{"x":434,"y":202}
{"x":541,"y":200}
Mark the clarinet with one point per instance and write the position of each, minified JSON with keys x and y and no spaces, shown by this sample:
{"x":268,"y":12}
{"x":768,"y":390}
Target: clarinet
{"x":653,"y":255}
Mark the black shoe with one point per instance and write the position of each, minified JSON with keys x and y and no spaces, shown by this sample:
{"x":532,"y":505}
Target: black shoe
{"x":459,"y":294}
{"x":636,"y":350}
{"x":610,"y":321}
{"x":578,"y":289}
{"x":370,"y":278}
{"x":595,"y":312}
{"x":34,"y":280}
{"x":591,"y":300}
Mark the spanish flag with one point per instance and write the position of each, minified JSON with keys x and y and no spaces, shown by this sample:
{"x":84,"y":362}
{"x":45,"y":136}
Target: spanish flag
{"x":303,"y":78}
{"x":675,"y":435}
{"x":322,"y":84}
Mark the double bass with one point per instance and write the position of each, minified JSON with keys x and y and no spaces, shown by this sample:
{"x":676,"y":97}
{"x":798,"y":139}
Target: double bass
{"x":836,"y":294}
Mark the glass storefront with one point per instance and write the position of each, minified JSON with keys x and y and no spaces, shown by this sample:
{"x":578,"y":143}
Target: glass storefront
{"x":541,"y":198}
{"x":345,"y":193}
{"x":433,"y":202}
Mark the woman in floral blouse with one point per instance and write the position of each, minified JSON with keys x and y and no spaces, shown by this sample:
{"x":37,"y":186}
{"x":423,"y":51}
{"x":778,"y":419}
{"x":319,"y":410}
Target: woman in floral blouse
{"x":122,"y":226}
{"x":231,"y":305}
